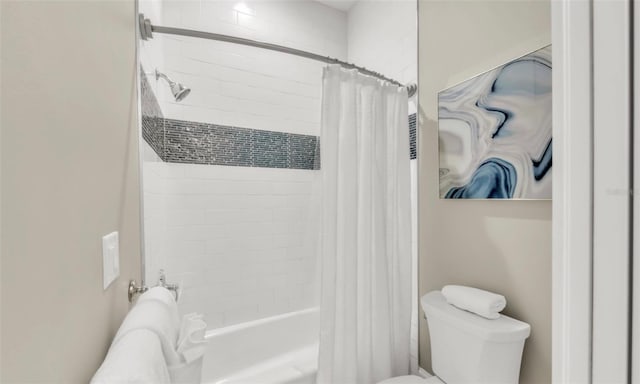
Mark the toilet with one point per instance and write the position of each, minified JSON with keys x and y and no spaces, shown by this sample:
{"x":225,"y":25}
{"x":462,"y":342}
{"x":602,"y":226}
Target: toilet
{"x":467,"y":348}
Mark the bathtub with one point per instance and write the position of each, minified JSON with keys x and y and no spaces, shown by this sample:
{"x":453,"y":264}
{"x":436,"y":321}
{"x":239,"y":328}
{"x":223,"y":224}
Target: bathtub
{"x":281,"y":349}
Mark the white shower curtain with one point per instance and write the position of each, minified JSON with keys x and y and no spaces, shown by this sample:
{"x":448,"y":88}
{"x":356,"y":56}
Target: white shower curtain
{"x":365,"y":248}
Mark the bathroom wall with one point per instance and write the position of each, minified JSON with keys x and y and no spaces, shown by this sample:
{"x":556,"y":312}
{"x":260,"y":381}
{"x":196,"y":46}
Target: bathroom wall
{"x":233,"y":232}
{"x":69,"y":176}
{"x":501,"y":246}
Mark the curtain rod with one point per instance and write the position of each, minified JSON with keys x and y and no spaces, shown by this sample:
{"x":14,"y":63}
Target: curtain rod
{"x":147,"y":29}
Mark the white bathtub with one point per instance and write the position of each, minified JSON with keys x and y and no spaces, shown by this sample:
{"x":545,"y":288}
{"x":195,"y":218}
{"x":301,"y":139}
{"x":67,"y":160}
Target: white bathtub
{"x":276,"y":350}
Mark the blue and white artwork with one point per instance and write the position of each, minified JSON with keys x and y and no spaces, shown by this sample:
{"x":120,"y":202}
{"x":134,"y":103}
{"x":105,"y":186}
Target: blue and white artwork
{"x":495,"y":132}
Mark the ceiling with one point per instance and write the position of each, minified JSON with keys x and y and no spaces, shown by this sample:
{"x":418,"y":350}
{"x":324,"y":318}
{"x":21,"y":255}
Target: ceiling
{"x":343,"y":5}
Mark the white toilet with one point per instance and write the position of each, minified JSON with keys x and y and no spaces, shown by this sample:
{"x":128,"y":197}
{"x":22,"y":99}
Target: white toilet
{"x":467,"y":348}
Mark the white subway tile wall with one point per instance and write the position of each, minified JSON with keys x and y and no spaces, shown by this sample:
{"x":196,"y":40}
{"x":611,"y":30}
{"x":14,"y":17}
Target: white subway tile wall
{"x":155,"y":218}
{"x":237,"y":239}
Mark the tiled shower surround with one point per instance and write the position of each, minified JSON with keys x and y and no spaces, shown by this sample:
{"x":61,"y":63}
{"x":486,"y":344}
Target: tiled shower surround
{"x":179,"y":141}
{"x":236,"y":238}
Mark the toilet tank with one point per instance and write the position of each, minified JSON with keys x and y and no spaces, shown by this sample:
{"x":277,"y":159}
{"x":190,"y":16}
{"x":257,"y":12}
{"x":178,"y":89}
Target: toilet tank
{"x":467,"y":348}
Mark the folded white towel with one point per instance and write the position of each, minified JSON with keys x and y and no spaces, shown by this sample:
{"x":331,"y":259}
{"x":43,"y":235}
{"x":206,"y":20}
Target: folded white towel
{"x":191,"y":341}
{"x":191,"y":349}
{"x":483,"y":303}
{"x":136,"y":358}
{"x":158,"y":318}
{"x":190,"y":322}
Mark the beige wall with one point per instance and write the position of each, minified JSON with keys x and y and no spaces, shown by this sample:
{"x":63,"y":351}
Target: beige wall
{"x":69,"y":176}
{"x":502,"y":246}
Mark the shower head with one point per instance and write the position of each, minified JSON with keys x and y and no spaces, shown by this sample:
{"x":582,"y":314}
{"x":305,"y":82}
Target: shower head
{"x":179,"y":91}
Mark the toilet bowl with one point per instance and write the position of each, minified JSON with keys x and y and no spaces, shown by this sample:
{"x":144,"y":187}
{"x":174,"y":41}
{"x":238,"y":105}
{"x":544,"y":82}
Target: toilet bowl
{"x":467,"y":348}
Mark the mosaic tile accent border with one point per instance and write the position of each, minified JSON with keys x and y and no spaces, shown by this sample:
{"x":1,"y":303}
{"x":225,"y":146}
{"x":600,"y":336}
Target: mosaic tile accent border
{"x":412,"y":136}
{"x":201,"y":143}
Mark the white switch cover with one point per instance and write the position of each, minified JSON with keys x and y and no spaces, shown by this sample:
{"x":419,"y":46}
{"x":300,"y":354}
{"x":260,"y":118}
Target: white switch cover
{"x":110,"y":258}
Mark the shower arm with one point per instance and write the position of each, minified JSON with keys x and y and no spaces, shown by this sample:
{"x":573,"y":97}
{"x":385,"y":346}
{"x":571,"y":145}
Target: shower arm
{"x":162,"y":75}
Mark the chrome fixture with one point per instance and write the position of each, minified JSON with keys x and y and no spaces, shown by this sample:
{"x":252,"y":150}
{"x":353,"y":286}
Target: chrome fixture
{"x":147,"y":29}
{"x":135,"y":289}
{"x":179,"y":91}
{"x":162,"y":282}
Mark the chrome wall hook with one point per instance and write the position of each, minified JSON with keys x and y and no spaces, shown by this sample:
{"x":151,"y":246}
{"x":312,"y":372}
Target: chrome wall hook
{"x":134,"y":290}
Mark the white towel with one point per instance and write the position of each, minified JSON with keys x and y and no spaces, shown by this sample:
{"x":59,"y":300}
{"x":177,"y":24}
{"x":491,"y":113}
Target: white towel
{"x":184,"y":373}
{"x":191,"y":348}
{"x":192,"y":328}
{"x":483,"y":303}
{"x":157,"y":317}
{"x":191,"y":341}
{"x":136,"y":358}
{"x":167,"y":298}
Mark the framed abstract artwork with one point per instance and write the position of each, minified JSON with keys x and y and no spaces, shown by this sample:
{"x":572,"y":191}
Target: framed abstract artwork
{"x":494,"y":132}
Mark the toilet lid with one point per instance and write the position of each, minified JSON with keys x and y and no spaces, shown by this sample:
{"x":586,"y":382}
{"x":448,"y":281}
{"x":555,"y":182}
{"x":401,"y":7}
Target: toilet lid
{"x":411,"y":379}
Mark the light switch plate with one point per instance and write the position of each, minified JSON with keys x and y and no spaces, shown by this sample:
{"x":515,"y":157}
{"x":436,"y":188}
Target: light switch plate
{"x":110,"y":259}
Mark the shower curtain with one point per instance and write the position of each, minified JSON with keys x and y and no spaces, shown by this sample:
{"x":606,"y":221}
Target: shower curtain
{"x":365,"y":247}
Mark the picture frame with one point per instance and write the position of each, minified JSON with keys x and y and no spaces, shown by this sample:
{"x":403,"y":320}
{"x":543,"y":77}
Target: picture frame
{"x":495,"y":132}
